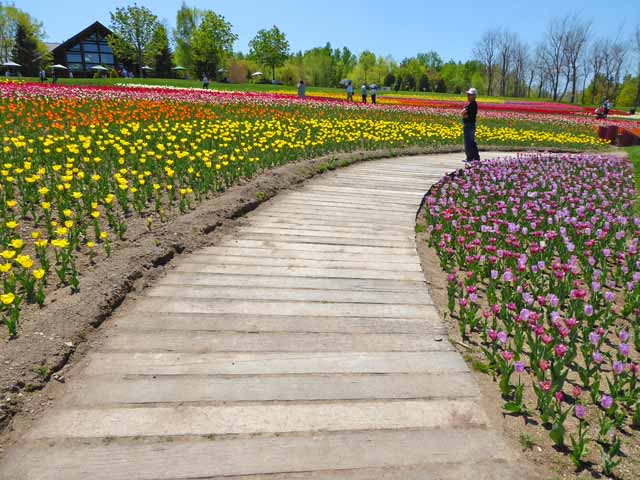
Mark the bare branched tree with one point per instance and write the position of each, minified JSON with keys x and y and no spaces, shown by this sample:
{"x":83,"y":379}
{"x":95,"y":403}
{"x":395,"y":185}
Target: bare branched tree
{"x":575,"y":46}
{"x":487,"y":53}
{"x":636,"y":47}
{"x":596,"y":61}
{"x":555,"y":54}
{"x":506,"y":47}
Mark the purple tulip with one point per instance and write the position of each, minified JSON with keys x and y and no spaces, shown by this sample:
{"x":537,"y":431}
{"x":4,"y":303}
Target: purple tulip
{"x":609,"y":296}
{"x":624,"y":349}
{"x":597,"y":357}
{"x":623,"y":335}
{"x":618,"y":367}
{"x":580,"y":411}
{"x":502,"y":337}
{"x":588,"y":310}
{"x":594,"y":338}
{"x":606,"y":402}
{"x":519,"y":367}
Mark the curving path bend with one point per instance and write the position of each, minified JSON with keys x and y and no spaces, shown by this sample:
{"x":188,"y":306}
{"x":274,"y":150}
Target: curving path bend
{"x":304,"y":346}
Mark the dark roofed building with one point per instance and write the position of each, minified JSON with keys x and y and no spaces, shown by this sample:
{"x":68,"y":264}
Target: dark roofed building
{"x":85,"y":50}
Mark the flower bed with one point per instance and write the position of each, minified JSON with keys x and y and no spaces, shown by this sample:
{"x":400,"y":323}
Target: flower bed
{"x":78,"y":162}
{"x":542,"y":255}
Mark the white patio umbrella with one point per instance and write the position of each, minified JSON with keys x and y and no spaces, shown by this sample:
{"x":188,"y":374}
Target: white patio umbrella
{"x":147,"y":67}
{"x":99,"y":67}
{"x":255,"y":74}
{"x":345,"y":81}
{"x":11,"y":64}
{"x":221,"y":70}
{"x":178,"y":67}
{"x":57,"y":65}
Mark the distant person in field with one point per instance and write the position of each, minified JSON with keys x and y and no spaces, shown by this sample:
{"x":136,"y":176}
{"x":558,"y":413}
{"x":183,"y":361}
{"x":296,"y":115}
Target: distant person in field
{"x":469,"y":114}
{"x":302,"y":89}
{"x":43,"y":75}
{"x":373,"y":94}
{"x":350,"y":92}
{"x":205,"y":81}
{"x":363,"y":91}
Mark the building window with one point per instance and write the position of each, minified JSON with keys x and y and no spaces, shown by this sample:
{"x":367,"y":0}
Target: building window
{"x":91,"y":58}
{"x":74,"y":57}
{"x":90,"y":47}
{"x":105,"y":48}
{"x":107,"y":58}
{"x":75,"y":67}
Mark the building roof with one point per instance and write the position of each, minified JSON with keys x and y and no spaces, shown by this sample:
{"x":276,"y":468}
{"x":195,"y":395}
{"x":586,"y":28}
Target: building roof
{"x":104,"y":31}
{"x":51,"y":45}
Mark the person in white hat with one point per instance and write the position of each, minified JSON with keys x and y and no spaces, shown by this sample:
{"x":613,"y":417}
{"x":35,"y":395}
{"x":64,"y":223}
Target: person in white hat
{"x":469,"y":114}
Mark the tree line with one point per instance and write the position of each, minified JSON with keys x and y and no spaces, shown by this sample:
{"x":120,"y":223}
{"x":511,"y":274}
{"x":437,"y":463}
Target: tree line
{"x":569,"y":63}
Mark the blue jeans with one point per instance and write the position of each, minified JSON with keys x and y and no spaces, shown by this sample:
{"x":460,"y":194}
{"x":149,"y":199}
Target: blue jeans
{"x":470,"y":146}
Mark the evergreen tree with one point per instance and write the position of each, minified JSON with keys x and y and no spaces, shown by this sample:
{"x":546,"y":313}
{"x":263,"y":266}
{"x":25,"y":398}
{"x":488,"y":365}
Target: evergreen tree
{"x":162,"y":59}
{"x":25,"y":51}
{"x":389,"y":80}
{"x":423,"y":83}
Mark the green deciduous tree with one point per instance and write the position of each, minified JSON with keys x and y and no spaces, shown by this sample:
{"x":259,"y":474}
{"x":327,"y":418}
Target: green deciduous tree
{"x":270,"y":48}
{"x":366,"y":62}
{"x":187,"y":21}
{"x":212,"y":43}
{"x":134,"y":30}
{"x":32,"y":52}
{"x":161,"y":61}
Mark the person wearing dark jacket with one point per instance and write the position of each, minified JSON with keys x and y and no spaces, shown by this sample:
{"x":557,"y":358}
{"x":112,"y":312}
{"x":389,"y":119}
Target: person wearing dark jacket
{"x":469,"y":114}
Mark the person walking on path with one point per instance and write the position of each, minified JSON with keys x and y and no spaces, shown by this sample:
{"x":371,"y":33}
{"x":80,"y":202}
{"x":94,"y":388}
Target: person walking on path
{"x":469,"y":114}
{"x":302,"y":89}
{"x":205,"y":81}
{"x":372,"y":89}
{"x":350,"y":92}
{"x":364,"y":93}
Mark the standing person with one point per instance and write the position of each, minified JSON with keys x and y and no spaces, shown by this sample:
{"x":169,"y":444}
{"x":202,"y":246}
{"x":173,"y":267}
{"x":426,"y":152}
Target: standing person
{"x":205,"y":81}
{"x":469,"y":114}
{"x":349,"y":92}
{"x":373,"y":94}
{"x":302,"y":89}
{"x":363,"y":91}
{"x":43,"y":75}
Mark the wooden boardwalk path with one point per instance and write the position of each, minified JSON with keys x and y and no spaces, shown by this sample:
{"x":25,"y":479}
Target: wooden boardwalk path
{"x":306,"y":345}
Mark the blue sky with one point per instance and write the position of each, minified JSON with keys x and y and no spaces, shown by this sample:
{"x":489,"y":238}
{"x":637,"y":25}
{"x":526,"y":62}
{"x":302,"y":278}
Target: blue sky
{"x":400,"y":28}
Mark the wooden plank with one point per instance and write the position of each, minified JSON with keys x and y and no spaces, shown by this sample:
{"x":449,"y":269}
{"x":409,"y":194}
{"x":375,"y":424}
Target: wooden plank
{"x":136,"y":341}
{"x":280,"y":363}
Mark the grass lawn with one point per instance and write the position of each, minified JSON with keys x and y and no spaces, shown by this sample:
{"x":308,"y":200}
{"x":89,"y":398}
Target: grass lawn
{"x":634,"y":156}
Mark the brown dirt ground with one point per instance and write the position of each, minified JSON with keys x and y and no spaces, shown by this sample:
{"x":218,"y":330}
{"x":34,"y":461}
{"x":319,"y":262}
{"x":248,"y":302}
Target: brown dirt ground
{"x":525,"y":434}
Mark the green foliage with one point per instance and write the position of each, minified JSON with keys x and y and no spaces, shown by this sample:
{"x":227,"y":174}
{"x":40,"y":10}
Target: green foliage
{"x":161,"y":61}
{"x":366,"y":62}
{"x":16,"y":25}
{"x":431,"y":60}
{"x":212,"y":42}
{"x":25,"y":51}
{"x":270,"y":48}
{"x":187,"y":21}
{"x":134,"y":35}
{"x":629,"y":92}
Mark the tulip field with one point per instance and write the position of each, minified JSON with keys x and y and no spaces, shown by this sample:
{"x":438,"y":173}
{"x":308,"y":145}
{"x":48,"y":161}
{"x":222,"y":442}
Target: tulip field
{"x":543,"y":260}
{"x":78,"y":161}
